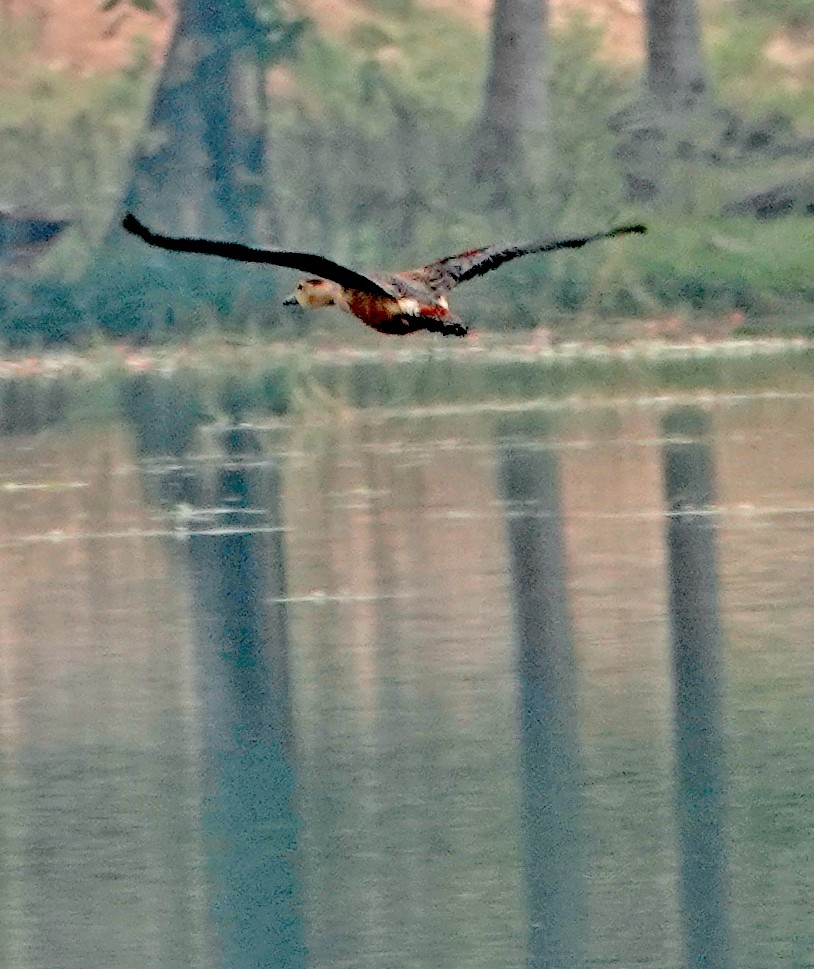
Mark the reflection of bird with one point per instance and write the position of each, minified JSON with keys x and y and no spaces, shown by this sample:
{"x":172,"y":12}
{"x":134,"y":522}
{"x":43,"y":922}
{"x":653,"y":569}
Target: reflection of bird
{"x":25,"y":234}
{"x":397,"y":303}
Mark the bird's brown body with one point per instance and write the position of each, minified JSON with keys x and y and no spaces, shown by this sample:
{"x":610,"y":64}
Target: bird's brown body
{"x":405,"y":304}
{"x":393,"y":303}
{"x":384,"y":314}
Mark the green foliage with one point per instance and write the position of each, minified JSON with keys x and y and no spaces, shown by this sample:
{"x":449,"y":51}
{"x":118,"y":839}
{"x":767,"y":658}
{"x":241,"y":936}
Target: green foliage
{"x":371,"y":164}
{"x":794,"y":14}
{"x":150,"y":6}
{"x":277,"y":37}
{"x":724,"y":265}
{"x":47,"y":310}
{"x":744,"y":74}
{"x":139,"y":293}
{"x":65,"y":144}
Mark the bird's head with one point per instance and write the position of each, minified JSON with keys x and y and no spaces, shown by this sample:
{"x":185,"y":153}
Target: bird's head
{"x":315,"y":293}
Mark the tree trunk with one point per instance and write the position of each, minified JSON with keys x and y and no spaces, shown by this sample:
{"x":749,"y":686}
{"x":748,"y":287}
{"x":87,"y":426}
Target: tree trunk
{"x":662,"y":127}
{"x":201,"y":165}
{"x":675,"y":71}
{"x":514,"y":111}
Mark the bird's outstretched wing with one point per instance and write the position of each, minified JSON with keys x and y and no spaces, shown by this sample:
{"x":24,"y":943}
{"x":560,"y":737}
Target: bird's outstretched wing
{"x":305,"y":262}
{"x":444,"y":274}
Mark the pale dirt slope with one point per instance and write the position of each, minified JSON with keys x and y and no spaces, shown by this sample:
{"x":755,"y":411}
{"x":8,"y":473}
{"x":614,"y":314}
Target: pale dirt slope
{"x":77,"y":35}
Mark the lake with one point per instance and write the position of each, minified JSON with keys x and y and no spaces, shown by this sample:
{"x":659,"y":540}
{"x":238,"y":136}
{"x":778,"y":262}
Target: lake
{"x":260,"y":689}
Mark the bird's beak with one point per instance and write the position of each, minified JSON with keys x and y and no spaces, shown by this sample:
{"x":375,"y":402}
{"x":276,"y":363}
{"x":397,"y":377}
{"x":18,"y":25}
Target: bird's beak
{"x":291,"y":300}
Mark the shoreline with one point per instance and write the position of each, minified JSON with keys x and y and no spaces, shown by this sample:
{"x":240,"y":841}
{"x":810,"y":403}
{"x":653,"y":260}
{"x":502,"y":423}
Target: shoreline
{"x":223,"y":355}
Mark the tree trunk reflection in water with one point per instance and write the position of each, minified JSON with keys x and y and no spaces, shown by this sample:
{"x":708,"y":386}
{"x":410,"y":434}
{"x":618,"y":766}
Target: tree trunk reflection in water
{"x":250,"y":822}
{"x":549,"y":745}
{"x":698,"y":688}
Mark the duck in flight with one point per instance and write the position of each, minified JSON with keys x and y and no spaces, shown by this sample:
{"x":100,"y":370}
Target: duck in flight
{"x":394,"y":303}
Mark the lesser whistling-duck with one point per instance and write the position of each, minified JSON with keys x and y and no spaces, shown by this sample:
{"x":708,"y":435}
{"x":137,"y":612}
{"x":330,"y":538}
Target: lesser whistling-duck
{"x":26,"y":233}
{"x":395,"y":303}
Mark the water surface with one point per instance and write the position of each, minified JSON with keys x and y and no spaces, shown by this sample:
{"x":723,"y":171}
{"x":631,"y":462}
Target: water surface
{"x":206,"y":765}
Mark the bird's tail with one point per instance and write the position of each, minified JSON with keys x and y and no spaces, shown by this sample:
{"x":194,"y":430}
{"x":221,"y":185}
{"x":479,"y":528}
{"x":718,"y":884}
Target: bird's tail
{"x":442,"y":321}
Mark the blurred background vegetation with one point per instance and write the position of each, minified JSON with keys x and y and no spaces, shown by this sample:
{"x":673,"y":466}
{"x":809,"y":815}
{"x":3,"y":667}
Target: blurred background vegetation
{"x":369,"y":117}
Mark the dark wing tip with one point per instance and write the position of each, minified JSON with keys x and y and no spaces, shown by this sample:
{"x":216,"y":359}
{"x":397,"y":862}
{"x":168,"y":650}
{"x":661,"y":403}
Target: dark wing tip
{"x":131,"y":224}
{"x":623,"y":230}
